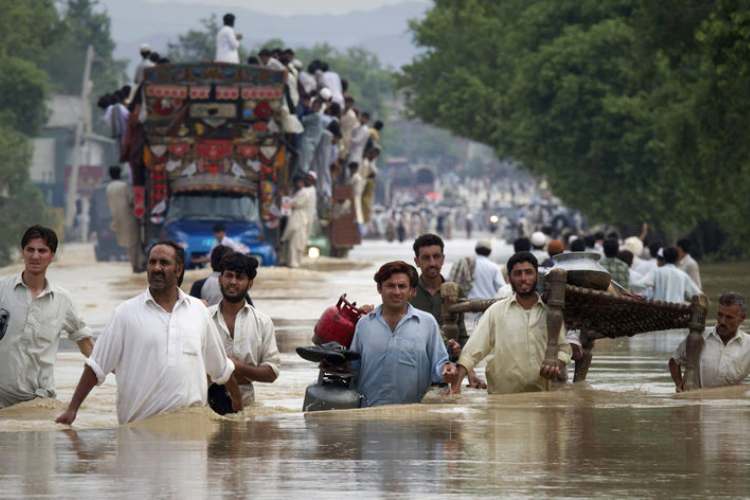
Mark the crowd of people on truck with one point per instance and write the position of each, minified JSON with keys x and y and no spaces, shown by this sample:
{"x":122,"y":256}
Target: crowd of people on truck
{"x":169,"y":349}
{"x":331,"y":140}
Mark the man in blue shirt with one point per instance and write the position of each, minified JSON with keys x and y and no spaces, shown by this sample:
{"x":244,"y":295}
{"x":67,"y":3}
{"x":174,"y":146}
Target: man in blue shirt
{"x":402,"y":352}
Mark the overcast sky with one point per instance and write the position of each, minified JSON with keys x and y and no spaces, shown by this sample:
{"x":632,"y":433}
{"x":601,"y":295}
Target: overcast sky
{"x":293,"y":7}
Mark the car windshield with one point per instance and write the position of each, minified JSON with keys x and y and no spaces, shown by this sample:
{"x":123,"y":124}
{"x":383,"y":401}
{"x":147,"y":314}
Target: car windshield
{"x":213,"y":206}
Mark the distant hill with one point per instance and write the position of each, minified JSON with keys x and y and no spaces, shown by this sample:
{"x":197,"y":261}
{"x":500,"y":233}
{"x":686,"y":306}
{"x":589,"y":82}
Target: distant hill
{"x":383,"y":30}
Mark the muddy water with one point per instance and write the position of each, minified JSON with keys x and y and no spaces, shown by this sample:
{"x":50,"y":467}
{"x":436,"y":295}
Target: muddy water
{"x":624,"y":433}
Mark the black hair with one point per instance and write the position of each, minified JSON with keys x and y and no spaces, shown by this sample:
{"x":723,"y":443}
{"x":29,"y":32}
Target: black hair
{"x":653,"y":249}
{"x":334,"y":109}
{"x":578,"y":245}
{"x":390,"y":268}
{"x":344,"y":84}
{"x":154,"y":57}
{"x":590,"y":240}
{"x":684,"y":244}
{"x":483,"y":251}
{"x":44,"y":233}
{"x":613,"y":234}
{"x":219,"y":228}
{"x":670,"y":255}
{"x":218,"y":253}
{"x":179,"y":254}
{"x":521,"y":245}
{"x":519,"y":257}
{"x":378,"y":125}
{"x":427,"y":240}
{"x":599,"y":235}
{"x":228,"y":19}
{"x":365,"y":114}
{"x":252,"y":60}
{"x":611,"y":247}
{"x":264,"y":52}
{"x":324,"y":66}
{"x":626,"y":256}
{"x":353,"y":166}
{"x":240,"y":264}
{"x":114,"y":172}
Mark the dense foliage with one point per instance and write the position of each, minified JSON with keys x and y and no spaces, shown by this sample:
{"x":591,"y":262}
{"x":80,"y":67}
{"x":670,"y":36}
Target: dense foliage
{"x":634,"y":110}
{"x":42,"y":50}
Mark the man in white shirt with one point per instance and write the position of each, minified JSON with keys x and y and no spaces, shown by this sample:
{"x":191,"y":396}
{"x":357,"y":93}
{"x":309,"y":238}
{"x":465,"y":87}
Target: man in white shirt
{"x":228,"y":42}
{"x":34,"y":314}
{"x":487,"y":277}
{"x":145,"y":63}
{"x":221,"y":238}
{"x":687,"y":263}
{"x":725,"y":357}
{"x":247,"y":333}
{"x":332,"y":81}
{"x":360,"y":136}
{"x":161,"y":345}
{"x":669,"y":283}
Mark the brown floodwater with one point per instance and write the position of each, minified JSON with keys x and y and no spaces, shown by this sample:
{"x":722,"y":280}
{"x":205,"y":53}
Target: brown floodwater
{"x":623,"y":433}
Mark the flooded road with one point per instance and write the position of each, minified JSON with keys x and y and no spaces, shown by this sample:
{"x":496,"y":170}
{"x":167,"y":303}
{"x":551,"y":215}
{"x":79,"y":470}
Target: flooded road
{"x":623,"y":433}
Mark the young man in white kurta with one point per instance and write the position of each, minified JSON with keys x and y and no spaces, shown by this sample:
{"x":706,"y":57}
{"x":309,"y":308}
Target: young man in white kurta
{"x":160,"y":359}
{"x":254,"y":342}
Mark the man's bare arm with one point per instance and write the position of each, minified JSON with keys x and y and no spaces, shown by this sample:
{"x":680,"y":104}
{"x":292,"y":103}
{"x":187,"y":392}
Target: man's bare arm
{"x":85,"y":384}
{"x":676,"y":371}
{"x":246,"y":373}
{"x":86,"y":346}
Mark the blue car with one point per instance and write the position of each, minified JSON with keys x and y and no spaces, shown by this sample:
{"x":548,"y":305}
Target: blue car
{"x":191,"y":218}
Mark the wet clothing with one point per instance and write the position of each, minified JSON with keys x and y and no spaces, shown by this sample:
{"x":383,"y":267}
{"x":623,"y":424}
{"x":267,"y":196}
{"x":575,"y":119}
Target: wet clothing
{"x":517,"y":338}
{"x":398,"y":366}
{"x":296,"y":232}
{"x":671,"y":284}
{"x":254,"y":342}
{"x":720,"y":364}
{"x":227,"y":46}
{"x":487,"y":279}
{"x":424,"y":301}
{"x":690,"y":266}
{"x":29,"y":347}
{"x":160,"y":359}
{"x":618,"y":269}
{"x":124,"y":224}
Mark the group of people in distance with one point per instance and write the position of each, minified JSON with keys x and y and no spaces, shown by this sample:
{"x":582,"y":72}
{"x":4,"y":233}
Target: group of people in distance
{"x":165,"y":346}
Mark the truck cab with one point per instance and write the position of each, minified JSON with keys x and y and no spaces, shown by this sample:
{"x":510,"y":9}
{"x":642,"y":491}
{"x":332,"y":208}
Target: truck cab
{"x":191,"y":217}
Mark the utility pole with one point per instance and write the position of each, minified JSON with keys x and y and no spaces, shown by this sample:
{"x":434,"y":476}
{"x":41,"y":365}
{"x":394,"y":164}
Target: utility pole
{"x":82,"y":129}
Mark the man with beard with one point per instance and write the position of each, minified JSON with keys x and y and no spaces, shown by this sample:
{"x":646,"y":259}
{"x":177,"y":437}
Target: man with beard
{"x":514,"y":330}
{"x":429,"y":258}
{"x":161,"y":345}
{"x":248,"y":334}
{"x":725,"y":357}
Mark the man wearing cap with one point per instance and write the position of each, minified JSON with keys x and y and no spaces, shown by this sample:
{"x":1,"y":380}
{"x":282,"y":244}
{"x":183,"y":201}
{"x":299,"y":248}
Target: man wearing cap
{"x":145,"y":63}
{"x":538,"y":240}
{"x":228,"y":42}
{"x":487,"y":277}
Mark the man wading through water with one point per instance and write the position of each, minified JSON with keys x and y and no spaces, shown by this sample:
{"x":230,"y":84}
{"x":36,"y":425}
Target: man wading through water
{"x":161,"y":345}
{"x":514,"y":329}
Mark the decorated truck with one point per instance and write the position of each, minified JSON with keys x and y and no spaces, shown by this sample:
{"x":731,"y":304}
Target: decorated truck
{"x":212,"y":154}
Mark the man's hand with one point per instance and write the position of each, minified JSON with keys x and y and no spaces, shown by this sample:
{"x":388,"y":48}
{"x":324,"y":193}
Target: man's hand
{"x":67,"y":418}
{"x":551,"y":370}
{"x":475,"y":382}
{"x":454,"y":348}
{"x":456,"y":383}
{"x":367,"y":308}
{"x":449,"y":373}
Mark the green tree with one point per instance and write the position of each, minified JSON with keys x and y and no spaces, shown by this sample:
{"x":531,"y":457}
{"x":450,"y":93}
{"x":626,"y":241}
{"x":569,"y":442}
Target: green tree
{"x":631,"y":109}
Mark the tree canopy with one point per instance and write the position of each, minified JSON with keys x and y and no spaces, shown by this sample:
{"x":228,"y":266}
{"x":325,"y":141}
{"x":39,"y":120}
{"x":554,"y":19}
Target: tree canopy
{"x":633,"y":110}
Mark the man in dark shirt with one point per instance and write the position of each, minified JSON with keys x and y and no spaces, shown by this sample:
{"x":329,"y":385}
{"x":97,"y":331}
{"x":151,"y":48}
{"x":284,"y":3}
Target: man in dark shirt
{"x":429,"y":258}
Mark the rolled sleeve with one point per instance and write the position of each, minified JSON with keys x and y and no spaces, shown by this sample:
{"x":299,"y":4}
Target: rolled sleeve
{"x":108,"y":348}
{"x":479,"y":343}
{"x":74,"y":327}
{"x":218,"y":366}
{"x":270,"y":356}
{"x":680,"y":354}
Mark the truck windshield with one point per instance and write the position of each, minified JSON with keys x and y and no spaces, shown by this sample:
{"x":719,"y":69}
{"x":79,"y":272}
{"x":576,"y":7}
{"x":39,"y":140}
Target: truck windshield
{"x":212,"y":206}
